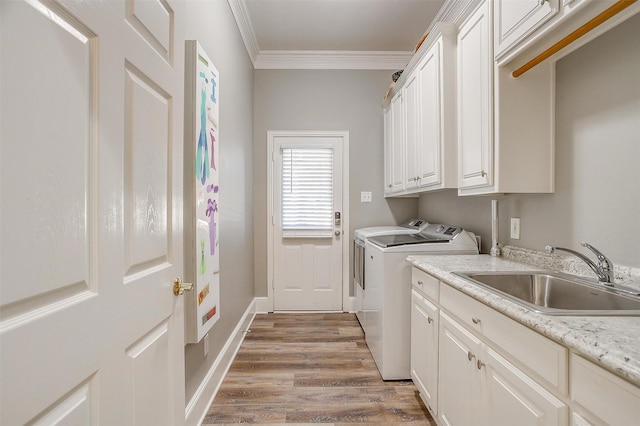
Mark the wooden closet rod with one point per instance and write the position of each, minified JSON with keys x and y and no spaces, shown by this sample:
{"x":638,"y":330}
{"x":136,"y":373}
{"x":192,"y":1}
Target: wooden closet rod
{"x":613,"y":10}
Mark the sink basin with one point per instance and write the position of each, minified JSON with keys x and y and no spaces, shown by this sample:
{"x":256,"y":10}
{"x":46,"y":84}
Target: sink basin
{"x":556,"y":294}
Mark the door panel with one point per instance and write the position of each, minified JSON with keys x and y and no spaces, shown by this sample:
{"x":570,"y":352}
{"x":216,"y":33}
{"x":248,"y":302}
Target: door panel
{"x":431,"y":117}
{"x":146,"y":182}
{"x":307,"y":264}
{"x":90,"y":186}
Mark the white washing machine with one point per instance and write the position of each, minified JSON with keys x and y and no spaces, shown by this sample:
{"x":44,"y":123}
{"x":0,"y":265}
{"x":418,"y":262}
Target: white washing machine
{"x":388,"y":292}
{"x":361,"y":235}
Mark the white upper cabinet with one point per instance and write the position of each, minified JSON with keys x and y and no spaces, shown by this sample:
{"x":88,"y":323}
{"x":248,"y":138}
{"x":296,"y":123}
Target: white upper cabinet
{"x":396,"y":144}
{"x":475,"y":101}
{"x":526,"y":28}
{"x":516,"y":19}
{"x":388,"y":150}
{"x":437,"y":139}
{"x":505,"y":125}
{"x":429,"y":140}
{"x":412,"y":116}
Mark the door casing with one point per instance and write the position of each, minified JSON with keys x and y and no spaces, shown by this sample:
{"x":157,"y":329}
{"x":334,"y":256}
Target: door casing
{"x":347,"y":302}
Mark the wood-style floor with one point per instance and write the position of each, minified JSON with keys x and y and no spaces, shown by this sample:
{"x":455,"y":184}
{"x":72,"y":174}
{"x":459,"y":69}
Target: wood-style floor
{"x":311,"y":368}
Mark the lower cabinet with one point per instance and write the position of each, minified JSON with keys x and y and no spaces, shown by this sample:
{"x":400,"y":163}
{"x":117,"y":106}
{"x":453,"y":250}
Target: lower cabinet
{"x":512,"y":394}
{"x":460,"y":391}
{"x":600,"y":398}
{"x":424,"y":349}
{"x":480,"y":387}
{"x":475,"y":366}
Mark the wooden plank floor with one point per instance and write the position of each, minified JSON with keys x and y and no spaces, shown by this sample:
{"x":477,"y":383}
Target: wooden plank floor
{"x":311,"y":368}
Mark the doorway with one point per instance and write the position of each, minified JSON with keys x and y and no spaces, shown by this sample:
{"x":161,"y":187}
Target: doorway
{"x":308,"y":247}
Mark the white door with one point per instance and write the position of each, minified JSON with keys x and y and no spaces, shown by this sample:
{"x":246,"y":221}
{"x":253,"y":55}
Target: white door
{"x":461,"y":400}
{"x":475,"y":100}
{"x":91,"y":190}
{"x":307,"y":220}
{"x":430,"y":127}
{"x":397,"y":142}
{"x":424,"y":349}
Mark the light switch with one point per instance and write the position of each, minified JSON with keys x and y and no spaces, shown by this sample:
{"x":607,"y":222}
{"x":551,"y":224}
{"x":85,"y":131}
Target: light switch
{"x":515,"y":228}
{"x":365,"y":197}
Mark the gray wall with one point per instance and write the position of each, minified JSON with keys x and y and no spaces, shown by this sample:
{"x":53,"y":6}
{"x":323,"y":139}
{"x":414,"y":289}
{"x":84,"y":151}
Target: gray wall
{"x":325,"y":100}
{"x":597,"y":196}
{"x":212,"y":24}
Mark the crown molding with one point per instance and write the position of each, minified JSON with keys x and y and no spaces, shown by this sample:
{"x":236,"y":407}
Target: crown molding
{"x":241,"y":16}
{"x":331,"y":59}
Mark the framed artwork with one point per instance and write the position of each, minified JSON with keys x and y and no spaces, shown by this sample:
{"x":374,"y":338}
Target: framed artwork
{"x":201,"y":192}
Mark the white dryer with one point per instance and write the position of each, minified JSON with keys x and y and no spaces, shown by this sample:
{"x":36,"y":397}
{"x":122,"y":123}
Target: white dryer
{"x":361,"y":236}
{"x":388,"y":291}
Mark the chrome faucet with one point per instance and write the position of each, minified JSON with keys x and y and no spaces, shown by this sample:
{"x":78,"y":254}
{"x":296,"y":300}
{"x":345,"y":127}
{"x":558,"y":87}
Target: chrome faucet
{"x":603,"y":268}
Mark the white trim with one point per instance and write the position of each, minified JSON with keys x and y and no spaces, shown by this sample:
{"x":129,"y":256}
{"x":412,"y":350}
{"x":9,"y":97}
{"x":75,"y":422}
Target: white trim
{"x":331,"y":59}
{"x":263,"y":305}
{"x":197,"y":408}
{"x":350,"y":303}
{"x":346,"y":229}
{"x":243,"y":21}
{"x":347,"y":304}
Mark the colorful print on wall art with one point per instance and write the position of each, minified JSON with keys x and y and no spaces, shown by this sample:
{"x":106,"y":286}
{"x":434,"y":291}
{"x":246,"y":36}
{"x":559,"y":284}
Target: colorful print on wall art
{"x":201,"y":118}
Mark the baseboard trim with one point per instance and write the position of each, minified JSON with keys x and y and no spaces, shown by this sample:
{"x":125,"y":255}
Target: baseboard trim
{"x":196,"y":409}
{"x":263,"y":305}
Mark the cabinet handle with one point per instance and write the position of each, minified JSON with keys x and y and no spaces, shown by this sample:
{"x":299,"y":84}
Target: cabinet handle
{"x":475,"y":320}
{"x":541,"y":2}
{"x":483,"y":173}
{"x":429,"y":320}
{"x":389,"y":186}
{"x":420,"y":282}
{"x":470,"y":355}
{"x":479,"y":364}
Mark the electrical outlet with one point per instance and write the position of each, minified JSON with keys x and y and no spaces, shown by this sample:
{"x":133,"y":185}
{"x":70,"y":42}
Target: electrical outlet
{"x":515,"y":228}
{"x":365,"y":197}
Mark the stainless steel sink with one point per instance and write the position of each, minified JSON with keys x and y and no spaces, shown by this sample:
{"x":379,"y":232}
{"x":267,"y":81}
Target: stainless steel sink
{"x":557,"y":294}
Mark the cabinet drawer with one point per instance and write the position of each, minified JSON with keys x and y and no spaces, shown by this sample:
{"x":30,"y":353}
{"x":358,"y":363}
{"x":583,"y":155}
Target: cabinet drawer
{"x":425,"y":284}
{"x":529,"y":349}
{"x":613,"y":400}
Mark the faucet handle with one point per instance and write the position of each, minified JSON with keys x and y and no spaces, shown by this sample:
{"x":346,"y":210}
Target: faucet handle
{"x":604,"y":264}
{"x":601,"y":257}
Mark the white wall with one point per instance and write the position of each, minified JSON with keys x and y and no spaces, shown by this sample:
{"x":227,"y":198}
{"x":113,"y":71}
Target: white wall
{"x":211,"y":23}
{"x":597,"y":196}
{"x":325,"y":100}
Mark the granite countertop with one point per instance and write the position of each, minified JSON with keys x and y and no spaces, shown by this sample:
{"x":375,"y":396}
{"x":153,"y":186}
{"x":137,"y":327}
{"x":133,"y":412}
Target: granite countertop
{"x":611,"y":342}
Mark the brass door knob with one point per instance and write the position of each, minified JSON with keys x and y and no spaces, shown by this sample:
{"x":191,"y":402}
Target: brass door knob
{"x":179,"y":287}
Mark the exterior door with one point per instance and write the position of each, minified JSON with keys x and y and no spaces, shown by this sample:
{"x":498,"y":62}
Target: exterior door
{"x":307,"y":221}
{"x":91,"y":195}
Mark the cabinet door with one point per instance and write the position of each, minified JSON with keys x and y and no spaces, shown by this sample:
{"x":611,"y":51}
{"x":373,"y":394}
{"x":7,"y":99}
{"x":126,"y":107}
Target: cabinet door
{"x":424,"y":349}
{"x":397,"y":143}
{"x":430,"y":99}
{"x":388,"y":152}
{"x":514,"y":395}
{"x":514,"y":20}
{"x":460,"y":397}
{"x":475,"y":112}
{"x":412,"y":136}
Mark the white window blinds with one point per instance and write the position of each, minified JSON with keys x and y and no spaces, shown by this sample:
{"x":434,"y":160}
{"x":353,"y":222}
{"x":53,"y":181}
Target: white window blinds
{"x":307,"y":192}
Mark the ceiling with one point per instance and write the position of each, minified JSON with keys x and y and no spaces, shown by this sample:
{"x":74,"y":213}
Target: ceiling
{"x":332,"y":34}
